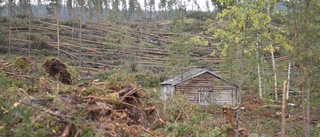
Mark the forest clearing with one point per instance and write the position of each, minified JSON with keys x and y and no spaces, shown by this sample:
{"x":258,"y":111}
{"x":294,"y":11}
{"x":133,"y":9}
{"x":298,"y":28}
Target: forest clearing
{"x":124,"y":68}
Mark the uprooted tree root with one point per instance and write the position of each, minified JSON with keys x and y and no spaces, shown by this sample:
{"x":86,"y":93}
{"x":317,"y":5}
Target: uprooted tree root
{"x":54,"y":67}
{"x":229,"y":115}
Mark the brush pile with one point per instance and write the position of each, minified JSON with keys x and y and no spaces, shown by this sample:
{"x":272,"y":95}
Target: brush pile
{"x":122,"y":112}
{"x":103,"y":108}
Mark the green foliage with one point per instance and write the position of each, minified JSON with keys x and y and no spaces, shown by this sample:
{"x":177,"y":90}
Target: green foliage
{"x":223,"y":4}
{"x":194,"y":26}
{"x":199,"y":15}
{"x":177,"y":129}
{"x":86,"y":132}
{"x":246,"y":33}
{"x":179,"y":50}
{"x":9,"y":84}
{"x":147,"y":78}
{"x":51,"y":7}
{"x":22,"y":64}
{"x":115,"y":14}
{"x":190,"y":120}
{"x":4,"y":81}
{"x":74,"y":72}
{"x":20,"y":120}
{"x":21,"y":16}
{"x":172,"y":106}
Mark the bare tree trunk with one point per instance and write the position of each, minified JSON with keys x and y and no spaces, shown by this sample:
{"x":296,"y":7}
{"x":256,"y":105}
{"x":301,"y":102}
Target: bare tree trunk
{"x":272,"y":57}
{"x":80,"y":33}
{"x":10,"y":22}
{"x":293,"y":2}
{"x":258,"y":66}
{"x":73,"y":18}
{"x":240,"y":83}
{"x":29,"y":21}
{"x":39,"y":8}
{"x":283,"y":116}
{"x":10,"y":35}
{"x":99,"y":17}
{"x":302,"y":97}
{"x":288,"y":84}
{"x":274,"y":73}
{"x":307,"y":133}
{"x":72,"y":12}
{"x":58,"y":26}
{"x":150,"y":11}
{"x":180,"y":70}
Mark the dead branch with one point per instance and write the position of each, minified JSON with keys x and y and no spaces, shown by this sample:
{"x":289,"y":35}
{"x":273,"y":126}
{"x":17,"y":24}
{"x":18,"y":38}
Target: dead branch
{"x":129,"y":93}
{"x":53,"y":44}
{"x":66,"y":132}
{"x":63,"y":118}
{"x":180,"y":111}
{"x":271,"y":106}
{"x":6,"y":66}
{"x":17,"y":75}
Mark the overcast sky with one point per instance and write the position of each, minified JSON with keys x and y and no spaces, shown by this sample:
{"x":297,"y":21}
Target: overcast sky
{"x":202,"y":4}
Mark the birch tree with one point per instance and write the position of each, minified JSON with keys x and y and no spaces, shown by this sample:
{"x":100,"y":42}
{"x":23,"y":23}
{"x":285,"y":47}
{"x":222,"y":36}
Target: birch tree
{"x":269,"y":2}
{"x":244,"y":34}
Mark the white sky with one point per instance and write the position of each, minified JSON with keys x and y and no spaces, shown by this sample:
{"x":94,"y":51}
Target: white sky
{"x":202,"y":4}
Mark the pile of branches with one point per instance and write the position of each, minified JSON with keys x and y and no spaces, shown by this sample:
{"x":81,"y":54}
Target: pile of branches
{"x":111,"y":110}
{"x":113,"y":113}
{"x":121,"y":112}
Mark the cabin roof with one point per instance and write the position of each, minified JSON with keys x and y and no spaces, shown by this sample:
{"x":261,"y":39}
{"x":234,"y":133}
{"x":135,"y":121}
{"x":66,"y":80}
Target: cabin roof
{"x":191,"y":74}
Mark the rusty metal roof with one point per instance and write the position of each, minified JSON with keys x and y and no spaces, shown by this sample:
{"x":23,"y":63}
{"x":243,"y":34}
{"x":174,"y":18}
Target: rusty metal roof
{"x":191,"y":74}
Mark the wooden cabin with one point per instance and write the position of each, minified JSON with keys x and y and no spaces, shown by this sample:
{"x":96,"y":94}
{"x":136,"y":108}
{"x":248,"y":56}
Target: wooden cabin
{"x":202,"y":87}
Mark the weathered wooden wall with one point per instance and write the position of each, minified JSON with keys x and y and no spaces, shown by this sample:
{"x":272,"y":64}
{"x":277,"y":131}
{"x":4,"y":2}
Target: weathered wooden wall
{"x":167,"y":90}
{"x":215,"y":90}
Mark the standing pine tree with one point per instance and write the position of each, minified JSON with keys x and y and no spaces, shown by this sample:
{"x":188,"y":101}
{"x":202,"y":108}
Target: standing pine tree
{"x":80,"y":31}
{"x":132,"y":8}
{"x":151,"y":7}
{"x":115,"y":12}
{"x":179,"y":50}
{"x":124,"y":10}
